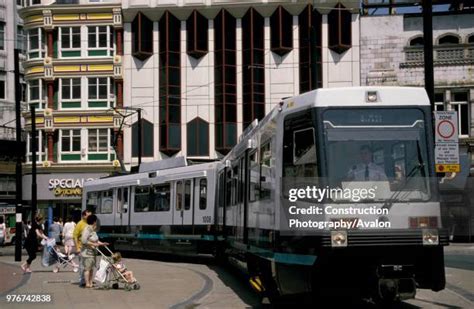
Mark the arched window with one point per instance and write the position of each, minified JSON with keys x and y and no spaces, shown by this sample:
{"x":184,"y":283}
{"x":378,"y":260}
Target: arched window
{"x":470,"y":39}
{"x":448,"y":39}
{"x":418,"y":41}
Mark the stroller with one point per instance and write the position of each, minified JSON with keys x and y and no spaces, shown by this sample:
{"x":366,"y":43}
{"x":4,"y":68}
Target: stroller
{"x":52,"y":255}
{"x":108,"y":276}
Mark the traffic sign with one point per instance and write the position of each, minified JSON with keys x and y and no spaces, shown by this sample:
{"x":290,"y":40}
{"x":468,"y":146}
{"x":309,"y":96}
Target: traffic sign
{"x":447,"y":142}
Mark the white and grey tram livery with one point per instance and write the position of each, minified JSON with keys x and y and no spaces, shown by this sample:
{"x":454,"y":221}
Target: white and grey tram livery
{"x":165,"y":207}
{"x":316,"y":140}
{"x":312,"y":140}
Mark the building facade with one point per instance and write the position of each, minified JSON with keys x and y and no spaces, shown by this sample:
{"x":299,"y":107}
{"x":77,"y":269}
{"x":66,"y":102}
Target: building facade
{"x":11,"y":37}
{"x":392,"y":54}
{"x":74,"y":79}
{"x":203,"y":70}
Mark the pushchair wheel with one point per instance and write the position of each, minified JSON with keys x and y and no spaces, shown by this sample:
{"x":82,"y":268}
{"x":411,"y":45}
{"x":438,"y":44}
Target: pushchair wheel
{"x":115,"y":286}
{"x":128,"y":287}
{"x":55,"y":270}
{"x":136,"y":286}
{"x":75,"y":269}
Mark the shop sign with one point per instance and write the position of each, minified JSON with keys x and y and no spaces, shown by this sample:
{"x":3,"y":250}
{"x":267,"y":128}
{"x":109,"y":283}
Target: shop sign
{"x":67,"y":187}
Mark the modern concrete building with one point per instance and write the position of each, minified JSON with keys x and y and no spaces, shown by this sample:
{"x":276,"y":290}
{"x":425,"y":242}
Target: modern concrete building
{"x":392,"y":54}
{"x":73,"y":76}
{"x":203,"y":70}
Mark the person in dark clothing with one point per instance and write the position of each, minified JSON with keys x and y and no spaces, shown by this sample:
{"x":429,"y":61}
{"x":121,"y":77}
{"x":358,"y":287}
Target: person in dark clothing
{"x":31,"y":243}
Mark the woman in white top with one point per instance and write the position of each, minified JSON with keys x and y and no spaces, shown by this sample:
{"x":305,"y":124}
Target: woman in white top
{"x":67,"y":235}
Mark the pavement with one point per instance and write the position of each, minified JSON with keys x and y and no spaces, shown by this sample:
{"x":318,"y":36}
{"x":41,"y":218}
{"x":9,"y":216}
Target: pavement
{"x":194,"y":284}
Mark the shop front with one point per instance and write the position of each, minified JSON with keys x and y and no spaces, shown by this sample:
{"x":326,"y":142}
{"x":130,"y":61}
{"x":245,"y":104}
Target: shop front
{"x":59,"y":194}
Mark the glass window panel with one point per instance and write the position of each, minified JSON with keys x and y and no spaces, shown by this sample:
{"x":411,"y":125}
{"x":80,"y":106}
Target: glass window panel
{"x":187,"y":195}
{"x":459,"y":97}
{"x":179,"y":195}
{"x":464,"y":127}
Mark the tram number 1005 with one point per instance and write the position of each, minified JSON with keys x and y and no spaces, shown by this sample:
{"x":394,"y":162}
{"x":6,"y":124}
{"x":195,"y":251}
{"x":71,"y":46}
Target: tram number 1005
{"x":206,"y":219}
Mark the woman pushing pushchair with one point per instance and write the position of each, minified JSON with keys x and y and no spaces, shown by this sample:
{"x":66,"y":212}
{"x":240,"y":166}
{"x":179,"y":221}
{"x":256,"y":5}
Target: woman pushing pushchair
{"x":112,"y":271}
{"x":90,"y":242}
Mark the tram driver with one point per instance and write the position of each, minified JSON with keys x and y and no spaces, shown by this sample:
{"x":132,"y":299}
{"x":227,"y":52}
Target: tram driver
{"x":366,"y":170}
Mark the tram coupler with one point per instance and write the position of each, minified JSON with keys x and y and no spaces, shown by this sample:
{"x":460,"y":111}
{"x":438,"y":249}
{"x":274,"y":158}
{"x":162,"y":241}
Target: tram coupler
{"x":396,"y":282}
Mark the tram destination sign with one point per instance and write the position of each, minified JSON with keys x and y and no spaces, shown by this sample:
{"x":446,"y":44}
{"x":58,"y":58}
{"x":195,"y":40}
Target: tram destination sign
{"x":447,"y":142}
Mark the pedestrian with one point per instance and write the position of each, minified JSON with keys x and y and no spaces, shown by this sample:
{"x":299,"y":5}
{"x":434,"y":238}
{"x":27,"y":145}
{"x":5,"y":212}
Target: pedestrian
{"x":61,"y":223}
{"x":90,"y":241}
{"x":68,"y":231}
{"x":3,"y":229}
{"x":55,"y":230}
{"x":76,"y":235}
{"x":31,"y":243}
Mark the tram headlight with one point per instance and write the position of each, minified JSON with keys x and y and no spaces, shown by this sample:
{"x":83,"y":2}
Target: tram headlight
{"x":430,"y":237}
{"x":338,"y":238}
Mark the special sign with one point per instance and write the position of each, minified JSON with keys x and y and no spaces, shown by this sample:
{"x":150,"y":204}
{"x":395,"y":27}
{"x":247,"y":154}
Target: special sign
{"x":447,"y":142}
{"x":67,"y":187}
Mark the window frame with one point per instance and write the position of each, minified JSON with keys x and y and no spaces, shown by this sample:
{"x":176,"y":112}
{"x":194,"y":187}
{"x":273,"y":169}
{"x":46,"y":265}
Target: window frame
{"x":3,"y":90}
{"x":109,"y":100}
{"x":42,"y":151}
{"x":71,"y":92}
{"x":40,"y":101}
{"x":71,"y":137}
{"x":71,"y":36}
{"x":109,"y":42}
{"x":2,"y":35}
{"x":41,"y":49}
{"x":459,"y":104}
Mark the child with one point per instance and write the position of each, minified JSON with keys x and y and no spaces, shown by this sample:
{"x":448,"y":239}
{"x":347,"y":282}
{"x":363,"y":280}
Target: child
{"x":118,"y":264}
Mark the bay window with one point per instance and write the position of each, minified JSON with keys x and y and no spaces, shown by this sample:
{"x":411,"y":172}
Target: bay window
{"x":36,"y":43}
{"x":70,"y":92}
{"x":99,"y":148}
{"x":100,"y":41}
{"x":41,"y":151}
{"x":35,"y":93}
{"x":101,"y":92}
{"x":70,"y":144}
{"x":70,"y":41}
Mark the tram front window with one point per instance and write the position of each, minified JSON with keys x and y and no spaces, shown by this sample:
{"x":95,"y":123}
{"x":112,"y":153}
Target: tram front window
{"x":392,"y":161}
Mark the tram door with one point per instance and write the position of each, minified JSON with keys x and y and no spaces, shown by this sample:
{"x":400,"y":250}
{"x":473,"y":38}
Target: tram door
{"x":183,"y":210}
{"x":122,"y":211}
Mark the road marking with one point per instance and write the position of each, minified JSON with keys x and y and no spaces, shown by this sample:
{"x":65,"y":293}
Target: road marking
{"x":460,"y":292}
{"x":207,"y":287}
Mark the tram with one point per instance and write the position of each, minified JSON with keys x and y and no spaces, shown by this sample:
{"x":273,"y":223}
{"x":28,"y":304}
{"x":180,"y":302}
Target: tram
{"x":166,"y":207}
{"x":388,"y":242}
{"x":334,"y":189}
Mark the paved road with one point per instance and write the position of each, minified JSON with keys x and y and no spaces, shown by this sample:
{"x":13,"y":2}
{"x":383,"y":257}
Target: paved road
{"x":192,"y":284}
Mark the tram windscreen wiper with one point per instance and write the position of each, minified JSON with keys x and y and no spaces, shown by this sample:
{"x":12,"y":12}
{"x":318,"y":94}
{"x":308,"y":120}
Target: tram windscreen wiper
{"x":420,"y":166}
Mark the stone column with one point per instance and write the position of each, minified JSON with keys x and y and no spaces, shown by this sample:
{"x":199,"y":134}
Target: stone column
{"x":50,"y":136}
{"x":119,"y":41}
{"x":50,"y":93}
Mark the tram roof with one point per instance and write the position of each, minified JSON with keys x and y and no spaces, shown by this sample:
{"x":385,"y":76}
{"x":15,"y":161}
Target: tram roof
{"x":357,"y":97}
{"x":337,"y":97}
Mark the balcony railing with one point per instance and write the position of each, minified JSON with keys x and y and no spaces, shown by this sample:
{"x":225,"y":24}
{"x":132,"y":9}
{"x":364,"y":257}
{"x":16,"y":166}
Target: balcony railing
{"x":458,"y":54}
{"x":9,"y":134}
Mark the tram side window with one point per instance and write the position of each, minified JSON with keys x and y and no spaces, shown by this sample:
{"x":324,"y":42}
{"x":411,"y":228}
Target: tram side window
{"x":142,"y":199}
{"x":228,"y":194}
{"x":179,"y":195}
{"x":299,"y":157}
{"x":203,"y":194}
{"x":221,"y":189}
{"x":265,"y":171}
{"x":162,"y":197}
{"x":92,"y":200}
{"x":106,"y":202}
{"x":187,"y":195}
{"x":254,"y":193}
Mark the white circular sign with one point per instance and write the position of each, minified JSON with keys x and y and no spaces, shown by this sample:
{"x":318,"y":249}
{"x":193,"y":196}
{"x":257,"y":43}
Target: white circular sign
{"x":446,"y":129}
